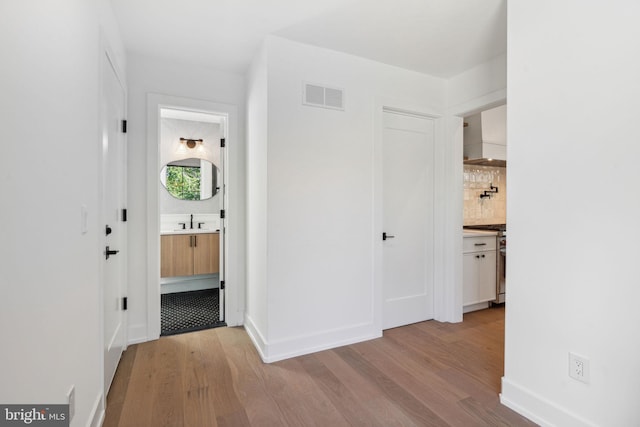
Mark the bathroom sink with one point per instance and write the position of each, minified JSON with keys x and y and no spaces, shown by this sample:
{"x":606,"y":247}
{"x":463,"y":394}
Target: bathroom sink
{"x":186,"y":231}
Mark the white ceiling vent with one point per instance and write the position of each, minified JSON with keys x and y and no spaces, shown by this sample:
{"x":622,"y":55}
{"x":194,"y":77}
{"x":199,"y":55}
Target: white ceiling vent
{"x":322,"y":96}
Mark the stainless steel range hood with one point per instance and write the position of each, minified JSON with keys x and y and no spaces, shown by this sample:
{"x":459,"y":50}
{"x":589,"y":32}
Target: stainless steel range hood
{"x":485,"y":138}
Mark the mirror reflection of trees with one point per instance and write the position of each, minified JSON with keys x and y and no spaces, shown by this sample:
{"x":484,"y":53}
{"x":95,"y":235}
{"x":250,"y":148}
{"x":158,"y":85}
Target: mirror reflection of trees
{"x":183,"y":182}
{"x":191,"y":179}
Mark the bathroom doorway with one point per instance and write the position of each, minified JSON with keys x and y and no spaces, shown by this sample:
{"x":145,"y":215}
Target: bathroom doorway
{"x":231,"y":264}
{"x":191,"y":206}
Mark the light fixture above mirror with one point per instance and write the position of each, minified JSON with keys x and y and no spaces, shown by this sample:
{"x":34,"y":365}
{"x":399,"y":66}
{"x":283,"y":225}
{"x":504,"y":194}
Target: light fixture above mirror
{"x":189,"y":147}
{"x":191,"y":143}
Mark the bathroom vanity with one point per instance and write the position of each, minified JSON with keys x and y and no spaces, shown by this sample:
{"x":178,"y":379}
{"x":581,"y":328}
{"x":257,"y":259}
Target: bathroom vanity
{"x":189,"y":253}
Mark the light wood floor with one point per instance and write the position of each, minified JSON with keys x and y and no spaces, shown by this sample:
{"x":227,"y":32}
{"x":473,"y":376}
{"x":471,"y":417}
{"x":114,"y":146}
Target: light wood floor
{"x":426,"y":374}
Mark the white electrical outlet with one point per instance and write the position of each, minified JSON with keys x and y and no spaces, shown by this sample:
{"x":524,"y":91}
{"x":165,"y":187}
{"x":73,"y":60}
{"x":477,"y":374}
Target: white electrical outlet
{"x":579,"y":368}
{"x":71,"y":399}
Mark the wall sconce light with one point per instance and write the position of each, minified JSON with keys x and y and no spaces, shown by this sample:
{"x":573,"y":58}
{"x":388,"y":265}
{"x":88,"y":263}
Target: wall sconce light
{"x":187,"y":144}
{"x":191,"y":143}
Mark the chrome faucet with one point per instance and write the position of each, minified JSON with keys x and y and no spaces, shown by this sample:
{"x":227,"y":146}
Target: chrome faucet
{"x":191,"y":222}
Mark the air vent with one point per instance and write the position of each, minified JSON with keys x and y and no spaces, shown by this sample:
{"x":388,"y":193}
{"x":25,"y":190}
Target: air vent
{"x":321,"y":96}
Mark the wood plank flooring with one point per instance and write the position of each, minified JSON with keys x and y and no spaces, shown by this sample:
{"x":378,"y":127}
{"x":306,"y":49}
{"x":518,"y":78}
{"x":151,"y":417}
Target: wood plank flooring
{"x":425,"y":374}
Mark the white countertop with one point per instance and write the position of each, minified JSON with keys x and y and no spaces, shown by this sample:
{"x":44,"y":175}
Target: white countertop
{"x":188,"y":231}
{"x":478,"y":233}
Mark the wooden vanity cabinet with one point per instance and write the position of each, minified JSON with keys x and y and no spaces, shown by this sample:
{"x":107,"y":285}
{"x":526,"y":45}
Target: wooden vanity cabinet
{"x":189,"y":254}
{"x":206,"y":253}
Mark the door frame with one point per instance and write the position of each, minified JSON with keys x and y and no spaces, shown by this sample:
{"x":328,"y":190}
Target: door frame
{"x":234,"y":293}
{"x":440,"y":205}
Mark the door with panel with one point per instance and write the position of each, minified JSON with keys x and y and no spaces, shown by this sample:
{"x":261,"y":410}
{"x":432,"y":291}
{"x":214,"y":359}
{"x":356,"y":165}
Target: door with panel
{"x":407,"y":187}
{"x":113,"y":191}
{"x":222,"y":236}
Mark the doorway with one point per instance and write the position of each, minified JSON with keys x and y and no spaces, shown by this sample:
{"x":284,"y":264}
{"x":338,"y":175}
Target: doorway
{"x":191,"y":208}
{"x":231,"y":264}
{"x":408,"y":218}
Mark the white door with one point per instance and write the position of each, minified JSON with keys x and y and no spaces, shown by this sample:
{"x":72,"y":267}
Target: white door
{"x":114,"y":230}
{"x":223,"y":221}
{"x":407,"y":185}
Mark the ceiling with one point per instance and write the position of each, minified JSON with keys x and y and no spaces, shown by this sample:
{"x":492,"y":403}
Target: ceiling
{"x":436,"y":37}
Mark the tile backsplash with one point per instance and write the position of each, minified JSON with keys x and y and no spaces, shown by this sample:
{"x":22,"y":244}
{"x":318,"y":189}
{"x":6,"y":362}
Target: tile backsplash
{"x":490,"y":210}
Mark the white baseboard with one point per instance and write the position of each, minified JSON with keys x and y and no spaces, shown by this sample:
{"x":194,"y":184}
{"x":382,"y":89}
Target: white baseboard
{"x":306,"y":344}
{"x":538,"y":409}
{"x":475,"y":307}
{"x":96,"y":418}
{"x":256,"y":337}
{"x":137,"y":334}
{"x":233,"y":320}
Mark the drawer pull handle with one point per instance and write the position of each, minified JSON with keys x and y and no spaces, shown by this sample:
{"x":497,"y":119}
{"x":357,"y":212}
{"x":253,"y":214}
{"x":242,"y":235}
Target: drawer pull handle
{"x":480,"y":244}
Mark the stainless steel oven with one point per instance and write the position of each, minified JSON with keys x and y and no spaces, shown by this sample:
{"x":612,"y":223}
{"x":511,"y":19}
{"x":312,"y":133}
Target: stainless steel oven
{"x":501,"y":284}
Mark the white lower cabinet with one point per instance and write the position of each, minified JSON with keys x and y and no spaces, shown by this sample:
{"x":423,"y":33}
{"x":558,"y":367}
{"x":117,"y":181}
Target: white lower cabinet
{"x":479,"y":270}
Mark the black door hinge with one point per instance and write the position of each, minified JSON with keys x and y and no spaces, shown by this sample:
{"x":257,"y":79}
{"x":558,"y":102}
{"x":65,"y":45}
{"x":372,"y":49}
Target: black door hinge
{"x":124,"y":303}
{"x":124,"y":126}
{"x":124,"y":215}
{"x":223,"y":143}
{"x":222,"y":214}
{"x":222,"y":285}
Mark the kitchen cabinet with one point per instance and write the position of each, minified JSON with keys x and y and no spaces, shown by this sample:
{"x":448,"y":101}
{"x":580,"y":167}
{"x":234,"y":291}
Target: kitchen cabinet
{"x":479,"y":269}
{"x":189,"y":254}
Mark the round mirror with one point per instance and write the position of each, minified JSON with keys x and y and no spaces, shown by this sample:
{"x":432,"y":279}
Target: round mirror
{"x":190,"y":179}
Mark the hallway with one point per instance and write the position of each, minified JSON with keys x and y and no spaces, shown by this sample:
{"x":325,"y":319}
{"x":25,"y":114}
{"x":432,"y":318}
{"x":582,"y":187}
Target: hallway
{"x":428,"y":373}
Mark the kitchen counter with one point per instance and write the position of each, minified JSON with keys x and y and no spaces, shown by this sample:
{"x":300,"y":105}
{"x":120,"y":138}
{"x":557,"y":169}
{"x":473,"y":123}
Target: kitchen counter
{"x":188,"y":231}
{"x":478,"y":233}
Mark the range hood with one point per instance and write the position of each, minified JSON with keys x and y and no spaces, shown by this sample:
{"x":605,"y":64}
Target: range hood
{"x":485,"y":138}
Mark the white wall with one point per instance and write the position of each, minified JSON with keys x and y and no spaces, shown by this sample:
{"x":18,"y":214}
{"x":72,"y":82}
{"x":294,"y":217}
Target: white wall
{"x":257,"y":128}
{"x":149,"y":75}
{"x":320,"y":193}
{"x":479,"y":87}
{"x":573,"y":276}
{"x":50,"y":306}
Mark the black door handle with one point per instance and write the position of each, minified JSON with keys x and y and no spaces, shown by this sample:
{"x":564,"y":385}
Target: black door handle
{"x":109,"y":252}
{"x":386,"y":236}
